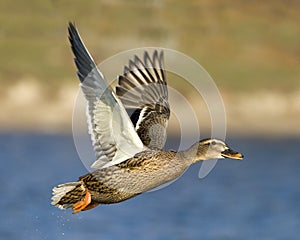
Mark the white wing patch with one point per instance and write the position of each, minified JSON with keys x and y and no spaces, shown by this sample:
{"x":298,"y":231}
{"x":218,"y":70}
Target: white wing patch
{"x":116,"y":133}
{"x":113,"y":135}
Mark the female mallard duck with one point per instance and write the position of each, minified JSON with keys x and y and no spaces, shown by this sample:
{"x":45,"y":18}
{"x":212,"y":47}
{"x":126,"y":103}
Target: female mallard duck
{"x":130,"y":159}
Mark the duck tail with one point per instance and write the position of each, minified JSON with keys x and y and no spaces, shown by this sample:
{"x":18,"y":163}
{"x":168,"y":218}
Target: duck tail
{"x":73,"y":195}
{"x":67,"y":194}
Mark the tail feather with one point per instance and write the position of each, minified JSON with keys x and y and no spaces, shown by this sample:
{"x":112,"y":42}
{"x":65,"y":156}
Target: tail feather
{"x":65,"y":195}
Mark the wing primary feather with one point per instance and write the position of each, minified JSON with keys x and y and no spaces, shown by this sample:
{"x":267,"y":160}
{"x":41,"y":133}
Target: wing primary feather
{"x":113,"y":135}
{"x":143,"y":70}
{"x":143,"y":88}
{"x":83,"y":60}
{"x":122,"y":80}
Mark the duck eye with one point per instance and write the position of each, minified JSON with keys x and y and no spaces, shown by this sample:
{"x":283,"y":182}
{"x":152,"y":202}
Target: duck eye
{"x":213,"y":143}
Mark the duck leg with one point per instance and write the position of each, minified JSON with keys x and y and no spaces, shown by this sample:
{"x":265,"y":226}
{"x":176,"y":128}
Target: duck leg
{"x":82,"y":204}
{"x":90,"y":206}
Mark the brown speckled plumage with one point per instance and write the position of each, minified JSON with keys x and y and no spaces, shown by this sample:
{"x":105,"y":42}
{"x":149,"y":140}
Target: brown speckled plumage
{"x":139,"y":174}
{"x":143,"y":172}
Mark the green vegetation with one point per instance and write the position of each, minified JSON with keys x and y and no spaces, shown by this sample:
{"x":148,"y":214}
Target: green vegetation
{"x":244,"y":45}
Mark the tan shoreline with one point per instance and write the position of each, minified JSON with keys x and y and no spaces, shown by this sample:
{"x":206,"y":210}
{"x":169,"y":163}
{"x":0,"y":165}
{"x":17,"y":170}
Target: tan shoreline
{"x":26,"y":107}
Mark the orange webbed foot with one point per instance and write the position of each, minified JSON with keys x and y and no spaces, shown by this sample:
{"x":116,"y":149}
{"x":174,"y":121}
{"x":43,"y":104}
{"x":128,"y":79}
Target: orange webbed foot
{"x":90,"y":206}
{"x":81,"y":205}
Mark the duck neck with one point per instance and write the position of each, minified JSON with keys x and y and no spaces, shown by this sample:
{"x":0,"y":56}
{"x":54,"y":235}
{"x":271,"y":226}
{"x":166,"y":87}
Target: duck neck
{"x":192,"y":155}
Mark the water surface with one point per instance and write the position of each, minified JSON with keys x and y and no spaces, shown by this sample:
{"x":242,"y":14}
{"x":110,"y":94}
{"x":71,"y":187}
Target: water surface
{"x":257,"y":198}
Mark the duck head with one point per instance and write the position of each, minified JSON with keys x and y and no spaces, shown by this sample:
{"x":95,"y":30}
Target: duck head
{"x":215,"y":149}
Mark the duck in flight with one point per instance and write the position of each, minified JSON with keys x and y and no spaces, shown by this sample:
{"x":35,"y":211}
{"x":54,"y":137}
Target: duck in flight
{"x":130,"y":159}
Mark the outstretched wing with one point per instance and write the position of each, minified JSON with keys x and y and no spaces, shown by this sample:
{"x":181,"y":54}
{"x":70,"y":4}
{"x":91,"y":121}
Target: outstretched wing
{"x":143,"y":89}
{"x":113,"y":135}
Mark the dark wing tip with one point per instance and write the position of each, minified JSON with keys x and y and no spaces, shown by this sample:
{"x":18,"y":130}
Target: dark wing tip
{"x":72,"y":30}
{"x":137,"y":59}
{"x":161,"y":58}
{"x":155,"y":54}
{"x":157,"y":57}
{"x":71,"y":25}
{"x":83,"y":60}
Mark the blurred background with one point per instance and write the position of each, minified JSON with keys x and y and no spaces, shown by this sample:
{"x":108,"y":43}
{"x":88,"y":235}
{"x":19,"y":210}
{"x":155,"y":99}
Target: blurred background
{"x":250,"y":48}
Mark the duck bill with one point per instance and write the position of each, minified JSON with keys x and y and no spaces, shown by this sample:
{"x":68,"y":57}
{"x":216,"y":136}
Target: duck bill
{"x":228,"y":153}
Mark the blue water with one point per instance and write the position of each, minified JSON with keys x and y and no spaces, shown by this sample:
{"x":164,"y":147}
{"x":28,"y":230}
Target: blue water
{"x":257,"y":198}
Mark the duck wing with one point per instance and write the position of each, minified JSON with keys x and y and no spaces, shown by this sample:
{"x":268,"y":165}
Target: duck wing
{"x":113,"y":135}
{"x":143,"y":89}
